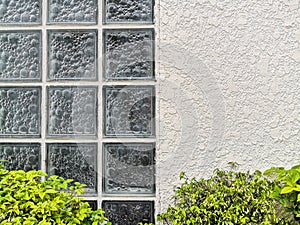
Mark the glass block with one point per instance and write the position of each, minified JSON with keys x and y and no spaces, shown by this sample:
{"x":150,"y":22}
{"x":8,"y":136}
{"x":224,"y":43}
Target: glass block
{"x":20,"y":112}
{"x":21,"y":156}
{"x":128,"y":54}
{"x":129,"y":111}
{"x":129,"y":212}
{"x":21,"y":12}
{"x":93,"y":204}
{"x":74,"y":161}
{"x":72,"y":111}
{"x":128,"y":168}
{"x":72,"y":11}
{"x":72,"y":55}
{"x":132,"y":11}
{"x":20,"y":55}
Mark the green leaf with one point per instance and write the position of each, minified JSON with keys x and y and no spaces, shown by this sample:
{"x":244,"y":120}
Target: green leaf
{"x":182,"y":175}
{"x":51,"y":191}
{"x":287,"y":190}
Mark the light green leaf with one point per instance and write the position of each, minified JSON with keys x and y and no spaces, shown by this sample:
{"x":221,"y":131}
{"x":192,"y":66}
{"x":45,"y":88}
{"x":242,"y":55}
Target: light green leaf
{"x":287,"y":190}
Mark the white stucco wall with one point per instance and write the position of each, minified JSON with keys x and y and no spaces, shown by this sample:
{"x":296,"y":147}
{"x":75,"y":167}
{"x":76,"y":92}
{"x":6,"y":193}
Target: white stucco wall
{"x":228,"y":87}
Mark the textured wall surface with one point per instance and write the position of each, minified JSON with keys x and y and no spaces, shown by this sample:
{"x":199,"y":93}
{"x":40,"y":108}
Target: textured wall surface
{"x":228,"y":86}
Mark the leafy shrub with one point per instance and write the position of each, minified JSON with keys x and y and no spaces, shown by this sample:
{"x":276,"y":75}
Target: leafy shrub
{"x":227,"y":198}
{"x":27,"y":200}
{"x":288,"y":189}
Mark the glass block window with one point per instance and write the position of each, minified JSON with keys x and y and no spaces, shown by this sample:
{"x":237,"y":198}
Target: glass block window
{"x":20,"y":55}
{"x":72,"y":11}
{"x":72,"y":55}
{"x":129,"y":212}
{"x":18,"y":156}
{"x":72,"y":111}
{"x":76,"y":161}
{"x":128,"y":168}
{"x":77,"y":98}
{"x":129,"y":111}
{"x":123,"y":11}
{"x":20,"y":112}
{"x":20,"y":12}
{"x":128,"y":54}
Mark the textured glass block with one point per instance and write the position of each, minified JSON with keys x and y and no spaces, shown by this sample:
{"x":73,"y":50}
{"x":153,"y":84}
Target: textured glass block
{"x":129,"y":111}
{"x":74,"y":161}
{"x":21,"y":156}
{"x":20,"y":111}
{"x":129,"y":54}
{"x":128,"y":168}
{"x":20,"y":12}
{"x":128,"y":11}
{"x":129,"y":212}
{"x":72,"y":55}
{"x":93,"y":204}
{"x":72,"y":111}
{"x":20,"y":55}
{"x":72,"y":11}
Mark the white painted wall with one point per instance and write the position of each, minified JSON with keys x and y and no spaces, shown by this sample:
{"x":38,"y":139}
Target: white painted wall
{"x":228,"y":87}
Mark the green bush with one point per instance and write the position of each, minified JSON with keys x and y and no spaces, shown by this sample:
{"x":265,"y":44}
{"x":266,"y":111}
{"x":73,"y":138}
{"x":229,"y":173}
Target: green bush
{"x":227,"y":198}
{"x":25,"y":199}
{"x":288,"y":189}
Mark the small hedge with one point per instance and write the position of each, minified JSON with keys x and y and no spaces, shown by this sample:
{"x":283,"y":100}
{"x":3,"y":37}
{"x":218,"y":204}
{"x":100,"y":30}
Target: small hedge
{"x":27,"y":200}
{"x":287,"y":192}
{"x":226,"y":198}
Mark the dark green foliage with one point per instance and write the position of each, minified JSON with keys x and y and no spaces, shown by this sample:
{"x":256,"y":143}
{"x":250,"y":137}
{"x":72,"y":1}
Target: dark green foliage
{"x":227,"y":198}
{"x":288,"y":189}
{"x":27,"y":200}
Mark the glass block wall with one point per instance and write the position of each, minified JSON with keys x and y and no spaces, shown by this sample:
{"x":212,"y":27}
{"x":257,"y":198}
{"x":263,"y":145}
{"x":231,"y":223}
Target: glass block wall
{"x":77,"y":98}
